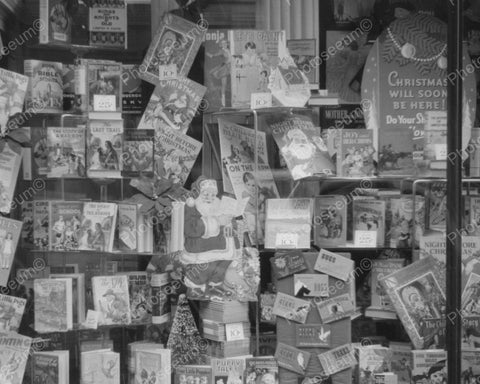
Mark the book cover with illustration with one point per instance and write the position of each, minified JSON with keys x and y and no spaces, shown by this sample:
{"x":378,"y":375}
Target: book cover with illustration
{"x":68,"y":80}
{"x":78,"y":293}
{"x":65,"y":152}
{"x":13,"y":88}
{"x":27,"y":239}
{"x":39,"y":152}
{"x":369,"y":215}
{"x":51,"y":367}
{"x":53,"y":305}
{"x":429,"y":365}
{"x":253,"y":55}
{"x":470,"y":365}
{"x":132,"y":100}
{"x":310,"y":285}
{"x":153,"y":366}
{"x":140,"y":293}
{"x":288,"y":223}
{"x":417,"y":292}
{"x":372,"y":359}
{"x":261,"y":369}
{"x":175,"y":154}
{"x":176,"y":43}
{"x":100,"y":367}
{"x":217,"y":68}
{"x":41,"y":215}
{"x":137,"y":152}
{"x":111,"y":299}
{"x":104,"y":148}
{"x":10,"y":161}
{"x":173,"y":105}
{"x":301,"y":146}
{"x":230,"y":370}
{"x":57,"y":22}
{"x":128,"y":236}
{"x":303,"y":53}
{"x":161,"y":306}
{"x":401,"y":361}
{"x":191,"y":373}
{"x":12,"y":309}
{"x":237,"y":145}
{"x":437,"y":210}
{"x":330,"y":221}
{"x":45,"y":86}
{"x":286,"y":263}
{"x":335,"y":308}
{"x":256,"y":185}
{"x":65,"y":225}
{"x":381,"y":306}
{"x":355,"y":153}
{"x":104,"y":86}
{"x":10,"y":231}
{"x":404,"y":227}
{"x":97,"y":230}
{"x":108,"y":24}
{"x":344,"y":68}
{"x":14,"y":354}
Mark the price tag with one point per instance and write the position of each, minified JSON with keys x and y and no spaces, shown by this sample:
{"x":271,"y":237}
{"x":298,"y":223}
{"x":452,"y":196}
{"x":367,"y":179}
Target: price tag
{"x":323,"y":92}
{"x":365,"y":239}
{"x":440,"y":151}
{"x":261,"y":100}
{"x":167,"y":72}
{"x":91,"y":320}
{"x":234,"y":331}
{"x":286,"y":240}
{"x":104,"y":103}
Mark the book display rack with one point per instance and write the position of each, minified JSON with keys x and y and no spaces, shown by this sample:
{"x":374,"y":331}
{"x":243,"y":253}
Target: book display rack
{"x":254,"y":192}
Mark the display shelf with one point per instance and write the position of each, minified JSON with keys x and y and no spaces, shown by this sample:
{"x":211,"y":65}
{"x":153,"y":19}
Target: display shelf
{"x":89,"y":252}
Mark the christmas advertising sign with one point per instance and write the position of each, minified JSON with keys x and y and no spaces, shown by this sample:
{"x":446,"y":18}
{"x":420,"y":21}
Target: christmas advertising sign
{"x":404,"y":93}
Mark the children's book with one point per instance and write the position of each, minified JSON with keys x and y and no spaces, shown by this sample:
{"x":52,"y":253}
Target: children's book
{"x":108,"y":24}
{"x":301,"y":146}
{"x":12,"y":312}
{"x":51,"y":366}
{"x":57,"y":22}
{"x":137,"y":153}
{"x":355,"y":153}
{"x":10,"y":231}
{"x":65,"y":225}
{"x":100,"y":367}
{"x":104,"y":147}
{"x":176,"y":154}
{"x":173,"y":105}
{"x":330,"y":221}
{"x":111,"y":299}
{"x":173,"y":49}
{"x":97,"y":230}
{"x":41,"y":227}
{"x":45,"y":87}
{"x":53,"y":305}
{"x":14,"y":354}
{"x":417,"y":293}
{"x":66,"y":152}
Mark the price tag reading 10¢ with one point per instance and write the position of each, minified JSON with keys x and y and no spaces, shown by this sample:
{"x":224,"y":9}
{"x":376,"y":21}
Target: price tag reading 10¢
{"x":167,"y":72}
{"x":286,"y":240}
{"x":104,"y":103}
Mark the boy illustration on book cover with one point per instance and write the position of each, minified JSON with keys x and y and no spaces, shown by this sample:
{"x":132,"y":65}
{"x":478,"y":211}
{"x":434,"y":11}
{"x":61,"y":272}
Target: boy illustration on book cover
{"x":216,"y":267}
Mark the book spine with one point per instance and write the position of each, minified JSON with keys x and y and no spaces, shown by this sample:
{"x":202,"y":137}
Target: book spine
{"x":177,"y":237}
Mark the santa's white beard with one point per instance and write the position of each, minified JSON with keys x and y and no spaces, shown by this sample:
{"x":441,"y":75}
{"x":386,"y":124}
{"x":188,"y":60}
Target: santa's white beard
{"x":302,"y":151}
{"x":208,"y":209}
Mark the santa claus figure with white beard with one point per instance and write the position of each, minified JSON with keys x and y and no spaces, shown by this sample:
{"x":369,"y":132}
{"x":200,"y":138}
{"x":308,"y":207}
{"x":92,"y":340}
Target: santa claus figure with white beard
{"x":211,"y":242}
{"x":300,"y":153}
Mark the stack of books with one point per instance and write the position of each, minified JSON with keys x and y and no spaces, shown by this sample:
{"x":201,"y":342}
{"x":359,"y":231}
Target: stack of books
{"x":227,"y":326}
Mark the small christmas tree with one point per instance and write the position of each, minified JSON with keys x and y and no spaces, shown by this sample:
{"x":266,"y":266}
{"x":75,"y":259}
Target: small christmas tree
{"x":185,"y":342}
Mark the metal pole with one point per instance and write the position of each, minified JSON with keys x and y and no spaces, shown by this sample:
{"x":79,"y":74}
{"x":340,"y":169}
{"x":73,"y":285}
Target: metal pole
{"x":454,"y":191}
